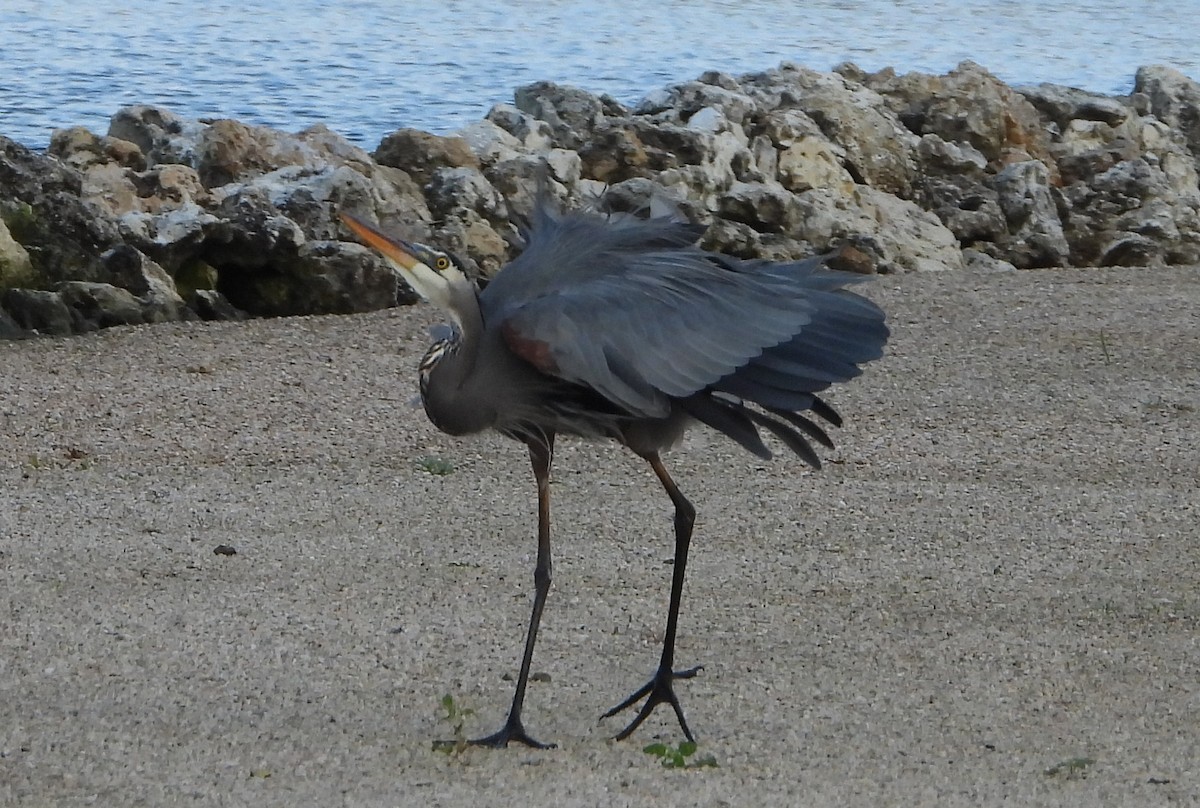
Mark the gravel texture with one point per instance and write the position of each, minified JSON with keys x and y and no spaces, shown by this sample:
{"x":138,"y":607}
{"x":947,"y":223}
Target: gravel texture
{"x":995,"y":579}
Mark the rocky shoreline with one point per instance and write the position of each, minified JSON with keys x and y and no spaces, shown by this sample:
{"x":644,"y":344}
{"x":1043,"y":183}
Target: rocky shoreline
{"x":164,"y":218}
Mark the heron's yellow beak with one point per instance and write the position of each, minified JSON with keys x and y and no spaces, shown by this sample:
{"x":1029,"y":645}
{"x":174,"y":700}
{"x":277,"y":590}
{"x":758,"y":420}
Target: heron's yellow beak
{"x":398,"y":251}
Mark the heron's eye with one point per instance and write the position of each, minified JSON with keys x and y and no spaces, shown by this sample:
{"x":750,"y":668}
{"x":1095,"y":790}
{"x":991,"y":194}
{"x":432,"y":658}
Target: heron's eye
{"x":442,"y":263}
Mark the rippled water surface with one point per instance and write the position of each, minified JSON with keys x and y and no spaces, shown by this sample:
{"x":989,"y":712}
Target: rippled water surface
{"x":367,"y":67}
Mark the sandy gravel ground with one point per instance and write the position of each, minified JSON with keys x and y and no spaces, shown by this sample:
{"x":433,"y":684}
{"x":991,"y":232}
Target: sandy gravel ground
{"x":991,"y":594}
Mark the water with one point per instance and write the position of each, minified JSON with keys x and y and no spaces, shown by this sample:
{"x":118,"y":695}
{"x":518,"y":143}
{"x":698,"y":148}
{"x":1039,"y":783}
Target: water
{"x":367,"y":67}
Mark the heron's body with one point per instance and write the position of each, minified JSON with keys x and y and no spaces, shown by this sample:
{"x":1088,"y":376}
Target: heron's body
{"x":624,"y":329}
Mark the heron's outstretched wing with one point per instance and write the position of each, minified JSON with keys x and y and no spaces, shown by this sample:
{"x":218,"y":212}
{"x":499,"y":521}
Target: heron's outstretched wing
{"x":565,"y":250}
{"x":670,"y":323}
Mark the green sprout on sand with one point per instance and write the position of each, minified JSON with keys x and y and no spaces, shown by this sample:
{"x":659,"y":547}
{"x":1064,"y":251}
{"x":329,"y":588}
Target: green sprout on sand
{"x":1070,"y":769}
{"x":1104,"y":347}
{"x":456,"y":717}
{"x":437,"y":466}
{"x":677,"y":757}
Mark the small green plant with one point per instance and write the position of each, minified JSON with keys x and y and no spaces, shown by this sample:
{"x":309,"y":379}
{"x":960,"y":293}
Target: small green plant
{"x":1104,"y":347}
{"x":1071,"y":768}
{"x":456,"y":717}
{"x":1171,"y":407}
{"x":676,"y":757}
{"x":71,"y":457}
{"x":435,"y":465}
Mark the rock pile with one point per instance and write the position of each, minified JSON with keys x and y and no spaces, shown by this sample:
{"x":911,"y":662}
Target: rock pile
{"x":165,"y":218}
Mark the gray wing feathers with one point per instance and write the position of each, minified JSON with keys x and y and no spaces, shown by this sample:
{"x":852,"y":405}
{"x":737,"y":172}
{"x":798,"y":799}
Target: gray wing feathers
{"x":668,"y":327}
{"x":674,"y":324}
{"x":561,"y":250}
{"x":633,"y":311}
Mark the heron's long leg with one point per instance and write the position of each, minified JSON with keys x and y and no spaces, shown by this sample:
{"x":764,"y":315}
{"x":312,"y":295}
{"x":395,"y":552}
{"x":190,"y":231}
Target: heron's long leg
{"x":659,"y":689}
{"x":540,"y":454}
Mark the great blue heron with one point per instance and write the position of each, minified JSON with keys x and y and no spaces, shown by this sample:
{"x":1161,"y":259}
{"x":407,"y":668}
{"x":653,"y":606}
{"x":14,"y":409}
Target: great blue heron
{"x":622,"y":328}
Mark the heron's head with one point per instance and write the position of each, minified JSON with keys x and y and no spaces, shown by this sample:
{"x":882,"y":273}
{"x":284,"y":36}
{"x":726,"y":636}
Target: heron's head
{"x":431,"y":273}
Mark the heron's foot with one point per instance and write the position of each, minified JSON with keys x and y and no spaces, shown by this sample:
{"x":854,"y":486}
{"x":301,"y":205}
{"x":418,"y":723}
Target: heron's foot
{"x":657,"y":691}
{"x":511,"y":732}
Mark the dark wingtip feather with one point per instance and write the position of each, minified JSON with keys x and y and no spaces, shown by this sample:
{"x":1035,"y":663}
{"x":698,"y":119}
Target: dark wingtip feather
{"x":825,"y":411}
{"x":791,"y":438}
{"x":733,"y":418}
{"x":729,"y":418}
{"x":806,"y":426}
